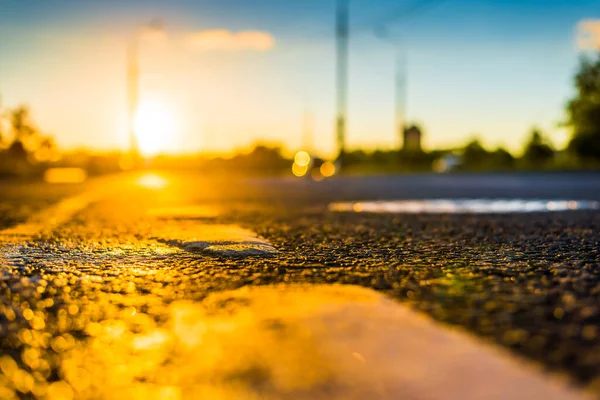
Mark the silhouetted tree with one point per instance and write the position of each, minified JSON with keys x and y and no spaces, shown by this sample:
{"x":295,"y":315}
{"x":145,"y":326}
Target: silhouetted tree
{"x":46,"y":149}
{"x":1,"y":128}
{"x":584,"y":111}
{"x":538,"y":152}
{"x":27,"y":146}
{"x":474,"y":155}
{"x":16,"y":151}
{"x":380,"y":157}
{"x":262,"y":158}
{"x":356,"y":157}
{"x":502,"y":159}
{"x":21,"y":124}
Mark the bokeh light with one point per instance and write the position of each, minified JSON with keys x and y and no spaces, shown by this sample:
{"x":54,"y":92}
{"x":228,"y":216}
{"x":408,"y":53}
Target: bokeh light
{"x":327,"y":169}
{"x":65,"y":175}
{"x":299,"y":170}
{"x":302,"y":159}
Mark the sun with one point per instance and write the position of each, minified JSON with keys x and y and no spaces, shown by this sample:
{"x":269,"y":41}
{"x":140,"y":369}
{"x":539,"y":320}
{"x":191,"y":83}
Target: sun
{"x":155,"y":127}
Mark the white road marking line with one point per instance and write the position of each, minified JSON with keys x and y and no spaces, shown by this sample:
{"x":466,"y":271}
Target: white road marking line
{"x":226,"y":240}
{"x":341,"y":342}
{"x":313,"y":342}
{"x":61,"y":212}
{"x":464,"y":206}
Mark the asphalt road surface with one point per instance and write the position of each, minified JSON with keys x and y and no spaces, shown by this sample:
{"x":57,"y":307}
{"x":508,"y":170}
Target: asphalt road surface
{"x":82,"y":280}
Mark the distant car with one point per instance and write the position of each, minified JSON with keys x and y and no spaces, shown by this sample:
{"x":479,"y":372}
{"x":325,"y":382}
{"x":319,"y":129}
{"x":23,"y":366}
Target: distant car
{"x":447,"y":163}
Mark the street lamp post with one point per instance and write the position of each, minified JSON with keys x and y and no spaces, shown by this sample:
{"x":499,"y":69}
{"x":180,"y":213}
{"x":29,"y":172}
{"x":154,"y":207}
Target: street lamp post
{"x":133,"y":82}
{"x":382,"y":32}
{"x":400,"y":92}
{"x":400,"y":81}
{"x":133,"y":92}
{"x":342,"y":31}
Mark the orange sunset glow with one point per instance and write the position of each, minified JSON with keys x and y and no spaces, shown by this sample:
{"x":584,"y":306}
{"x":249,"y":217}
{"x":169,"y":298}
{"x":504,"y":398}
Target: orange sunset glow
{"x":232,"y":77}
{"x":155,"y":127}
{"x":299,"y":199}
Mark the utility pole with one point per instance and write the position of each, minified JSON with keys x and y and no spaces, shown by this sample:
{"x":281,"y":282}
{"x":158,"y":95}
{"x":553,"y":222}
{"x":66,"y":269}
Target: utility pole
{"x":400,"y":93}
{"x":133,"y":81}
{"x":400,"y":82}
{"x":133,"y":93}
{"x":381,"y":31}
{"x":1,"y":121}
{"x":342,"y":30}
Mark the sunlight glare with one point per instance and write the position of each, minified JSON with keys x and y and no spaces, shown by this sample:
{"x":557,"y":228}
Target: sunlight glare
{"x":152,"y":181}
{"x":155,"y":127}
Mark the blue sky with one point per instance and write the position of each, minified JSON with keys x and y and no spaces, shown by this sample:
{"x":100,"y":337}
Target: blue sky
{"x":490,"y":69}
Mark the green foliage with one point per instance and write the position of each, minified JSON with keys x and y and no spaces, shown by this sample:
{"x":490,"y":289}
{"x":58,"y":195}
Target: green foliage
{"x":502,"y":159}
{"x":26,"y":147}
{"x":262,"y":159}
{"x":21,"y":124}
{"x":474,"y":155}
{"x":538,"y":152}
{"x":2,"y":131}
{"x":476,"y":158}
{"x":584,"y":111}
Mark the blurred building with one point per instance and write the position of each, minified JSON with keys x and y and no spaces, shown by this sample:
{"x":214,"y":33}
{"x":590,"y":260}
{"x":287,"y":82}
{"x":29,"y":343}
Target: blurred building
{"x":412,"y":139}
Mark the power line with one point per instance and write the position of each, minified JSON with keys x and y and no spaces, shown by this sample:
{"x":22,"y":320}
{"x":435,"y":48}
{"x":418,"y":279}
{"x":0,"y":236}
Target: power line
{"x":342,"y":49}
{"x":397,"y":15}
{"x":381,"y":30}
{"x":402,"y":13}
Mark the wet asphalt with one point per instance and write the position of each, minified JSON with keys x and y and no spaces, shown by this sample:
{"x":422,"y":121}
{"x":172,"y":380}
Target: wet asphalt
{"x":530,"y":283}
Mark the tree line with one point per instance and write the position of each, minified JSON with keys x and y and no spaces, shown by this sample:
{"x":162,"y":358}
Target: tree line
{"x":582,"y":152}
{"x":25,"y":148}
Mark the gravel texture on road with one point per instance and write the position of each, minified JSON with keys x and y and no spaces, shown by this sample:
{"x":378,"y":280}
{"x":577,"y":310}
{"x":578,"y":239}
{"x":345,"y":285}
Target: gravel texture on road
{"x":528,"y":282}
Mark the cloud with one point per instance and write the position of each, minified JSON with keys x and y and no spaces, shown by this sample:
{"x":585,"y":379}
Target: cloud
{"x":588,"y":34}
{"x":224,"y":40}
